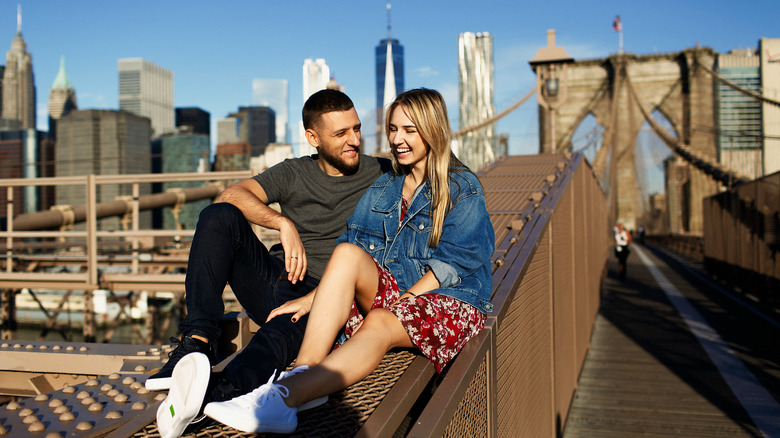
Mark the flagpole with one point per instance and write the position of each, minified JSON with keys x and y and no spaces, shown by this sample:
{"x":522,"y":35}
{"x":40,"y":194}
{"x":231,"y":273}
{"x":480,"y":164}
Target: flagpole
{"x":620,"y":46}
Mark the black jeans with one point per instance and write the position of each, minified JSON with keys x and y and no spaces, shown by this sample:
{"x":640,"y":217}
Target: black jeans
{"x":226,"y":250}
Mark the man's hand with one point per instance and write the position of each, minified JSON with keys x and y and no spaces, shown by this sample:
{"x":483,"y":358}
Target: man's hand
{"x":298,"y":307}
{"x":295,"y":262}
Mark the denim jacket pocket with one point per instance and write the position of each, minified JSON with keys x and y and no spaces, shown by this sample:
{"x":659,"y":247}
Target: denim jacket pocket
{"x":371,"y":243}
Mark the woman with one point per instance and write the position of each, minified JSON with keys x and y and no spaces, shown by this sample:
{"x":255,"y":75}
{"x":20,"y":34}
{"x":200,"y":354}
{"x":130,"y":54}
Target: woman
{"x":415,"y":260}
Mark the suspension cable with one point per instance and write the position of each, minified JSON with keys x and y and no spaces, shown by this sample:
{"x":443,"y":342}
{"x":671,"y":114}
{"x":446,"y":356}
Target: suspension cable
{"x":727,"y":177}
{"x":735,"y":86}
{"x":486,"y":122}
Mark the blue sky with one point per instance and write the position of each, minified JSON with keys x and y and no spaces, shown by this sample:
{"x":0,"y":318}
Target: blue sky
{"x":215,"y":49}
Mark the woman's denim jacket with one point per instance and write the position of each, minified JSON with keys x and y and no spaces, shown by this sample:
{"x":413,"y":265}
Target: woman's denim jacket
{"x":461,"y":261}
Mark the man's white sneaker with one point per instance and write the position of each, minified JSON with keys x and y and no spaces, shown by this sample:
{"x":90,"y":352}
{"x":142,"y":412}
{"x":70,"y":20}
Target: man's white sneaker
{"x":262,"y":410}
{"x":309,"y":404}
{"x":189,"y":381}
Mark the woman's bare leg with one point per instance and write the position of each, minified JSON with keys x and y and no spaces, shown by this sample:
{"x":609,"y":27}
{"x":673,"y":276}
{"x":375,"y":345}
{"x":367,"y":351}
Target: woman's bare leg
{"x":350,"y":274}
{"x":350,"y":363}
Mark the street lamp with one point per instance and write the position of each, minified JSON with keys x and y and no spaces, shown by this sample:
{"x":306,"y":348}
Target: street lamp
{"x":549,"y":64}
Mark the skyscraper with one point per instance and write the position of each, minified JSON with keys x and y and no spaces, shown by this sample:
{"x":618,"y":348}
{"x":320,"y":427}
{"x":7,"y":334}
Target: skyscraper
{"x":316,"y":75}
{"x":103,"y":142}
{"x":197,"y":119}
{"x":273,"y":93}
{"x":146,"y":89}
{"x":475,"y":85}
{"x":256,"y":126}
{"x":18,"y":108}
{"x":62,"y":99}
{"x":389,"y":58}
{"x":739,"y":115}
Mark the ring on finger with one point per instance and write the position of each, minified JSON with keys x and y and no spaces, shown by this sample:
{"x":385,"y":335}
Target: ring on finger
{"x":294,"y":257}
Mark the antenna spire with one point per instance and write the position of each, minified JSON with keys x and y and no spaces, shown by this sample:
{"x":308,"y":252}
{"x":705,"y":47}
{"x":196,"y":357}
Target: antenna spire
{"x":388,"y":21}
{"x":19,"y":18}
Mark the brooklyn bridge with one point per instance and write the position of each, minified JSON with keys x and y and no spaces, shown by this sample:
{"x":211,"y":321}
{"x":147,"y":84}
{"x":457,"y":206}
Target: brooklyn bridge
{"x":685,"y":345}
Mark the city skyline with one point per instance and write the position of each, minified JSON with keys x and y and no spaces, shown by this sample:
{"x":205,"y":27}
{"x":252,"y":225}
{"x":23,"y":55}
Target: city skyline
{"x":216,"y":49}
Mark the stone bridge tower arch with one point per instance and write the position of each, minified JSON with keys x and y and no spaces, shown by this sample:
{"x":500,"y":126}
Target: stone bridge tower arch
{"x":669,"y":83}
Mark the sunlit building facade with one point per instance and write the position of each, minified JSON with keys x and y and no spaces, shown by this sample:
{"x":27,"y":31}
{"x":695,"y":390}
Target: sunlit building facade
{"x":477,"y":148}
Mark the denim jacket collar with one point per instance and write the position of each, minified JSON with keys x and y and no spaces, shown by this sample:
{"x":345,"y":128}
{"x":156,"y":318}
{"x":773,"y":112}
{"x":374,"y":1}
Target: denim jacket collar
{"x":388,"y":200}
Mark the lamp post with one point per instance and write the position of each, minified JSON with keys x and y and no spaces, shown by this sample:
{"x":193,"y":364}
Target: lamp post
{"x":549,"y":64}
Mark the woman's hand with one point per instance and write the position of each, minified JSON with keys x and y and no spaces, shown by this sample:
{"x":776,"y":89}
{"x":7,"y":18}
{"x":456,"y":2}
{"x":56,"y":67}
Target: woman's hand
{"x":298,"y":307}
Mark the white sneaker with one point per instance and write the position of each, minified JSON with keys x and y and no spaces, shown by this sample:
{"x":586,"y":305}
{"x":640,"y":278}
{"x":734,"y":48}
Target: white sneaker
{"x":309,"y":404}
{"x":189,"y":382}
{"x":262,"y":410}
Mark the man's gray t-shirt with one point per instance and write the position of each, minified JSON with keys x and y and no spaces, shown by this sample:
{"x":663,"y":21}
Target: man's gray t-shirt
{"x":317,"y":203}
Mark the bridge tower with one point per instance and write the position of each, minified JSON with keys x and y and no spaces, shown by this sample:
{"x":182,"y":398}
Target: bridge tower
{"x":612,"y":90}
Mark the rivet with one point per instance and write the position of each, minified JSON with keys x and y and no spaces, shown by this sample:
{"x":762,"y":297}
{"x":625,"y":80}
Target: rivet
{"x":36,"y":427}
{"x":61,"y":409}
{"x":44,"y":347}
{"x":69,"y":348}
{"x":68,"y":390}
{"x":56,"y":347}
{"x":113,"y":376}
{"x":5,"y":345}
{"x":83,"y":349}
{"x":138,"y":406}
{"x":3,"y":430}
{"x":142,"y":391}
{"x":41,"y":398}
{"x":17,"y":345}
{"x":95,"y":407}
{"x":30,"y":419}
{"x":106,"y":387}
{"x":154,"y":350}
{"x":136,"y":386}
{"x":91,"y":382}
{"x":140,"y":368}
{"x":121,"y":398}
{"x":160,"y":397}
{"x":371,"y":246}
{"x":25,"y":412}
{"x":82,"y":395}
{"x":67,"y":416}
{"x":13,"y":406}
{"x":141,"y":353}
{"x":88,"y":401}
{"x":84,"y":425}
{"x":114,"y":415}
{"x":53,"y":435}
{"x":29,"y":346}
{"x":55,"y":402}
{"x":113,"y":392}
{"x":128,"y":380}
{"x":422,"y":227}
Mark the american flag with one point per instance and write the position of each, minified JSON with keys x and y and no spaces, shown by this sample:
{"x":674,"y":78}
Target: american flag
{"x":617,"y":26}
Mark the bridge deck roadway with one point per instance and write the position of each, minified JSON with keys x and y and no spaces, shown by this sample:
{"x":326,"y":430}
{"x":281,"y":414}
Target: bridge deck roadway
{"x":671,"y":355}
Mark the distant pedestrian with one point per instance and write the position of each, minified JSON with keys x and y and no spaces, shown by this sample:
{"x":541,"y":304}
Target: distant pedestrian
{"x":621,"y":239}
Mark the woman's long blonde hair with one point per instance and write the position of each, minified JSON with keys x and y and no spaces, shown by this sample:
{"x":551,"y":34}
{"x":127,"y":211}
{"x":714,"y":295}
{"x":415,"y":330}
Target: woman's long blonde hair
{"x":428,"y":111}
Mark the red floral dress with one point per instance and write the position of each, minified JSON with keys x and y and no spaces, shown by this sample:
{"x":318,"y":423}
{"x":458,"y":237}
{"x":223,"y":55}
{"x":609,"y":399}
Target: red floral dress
{"x":438,"y":325}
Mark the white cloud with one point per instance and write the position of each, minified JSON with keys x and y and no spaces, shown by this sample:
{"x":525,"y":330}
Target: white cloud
{"x":426,"y":72}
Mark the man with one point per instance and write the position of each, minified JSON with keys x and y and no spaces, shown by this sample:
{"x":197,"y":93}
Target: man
{"x":316,"y":195}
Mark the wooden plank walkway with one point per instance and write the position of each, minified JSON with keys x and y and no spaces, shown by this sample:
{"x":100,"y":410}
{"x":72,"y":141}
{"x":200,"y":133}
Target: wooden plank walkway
{"x":646,"y":374}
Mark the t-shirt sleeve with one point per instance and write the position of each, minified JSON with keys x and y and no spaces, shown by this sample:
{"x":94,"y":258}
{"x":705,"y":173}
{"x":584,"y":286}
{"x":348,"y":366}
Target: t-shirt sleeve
{"x":276,"y":180}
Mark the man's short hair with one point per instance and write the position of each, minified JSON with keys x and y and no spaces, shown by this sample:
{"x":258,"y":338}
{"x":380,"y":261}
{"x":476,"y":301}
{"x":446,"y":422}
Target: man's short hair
{"x":321,"y":102}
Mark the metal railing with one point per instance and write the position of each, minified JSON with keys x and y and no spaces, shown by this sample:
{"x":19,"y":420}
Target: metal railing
{"x":45,"y":228}
{"x":518,"y":377}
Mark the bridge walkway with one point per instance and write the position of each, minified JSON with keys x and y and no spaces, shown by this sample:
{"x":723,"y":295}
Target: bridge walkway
{"x":648,"y":374}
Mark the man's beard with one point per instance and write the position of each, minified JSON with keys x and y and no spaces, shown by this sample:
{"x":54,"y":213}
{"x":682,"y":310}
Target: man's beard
{"x":338,"y":163}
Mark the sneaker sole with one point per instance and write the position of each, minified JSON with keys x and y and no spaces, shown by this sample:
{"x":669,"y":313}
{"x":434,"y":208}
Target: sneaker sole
{"x":158,"y":384}
{"x":189,"y":383}
{"x":245,"y":423}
